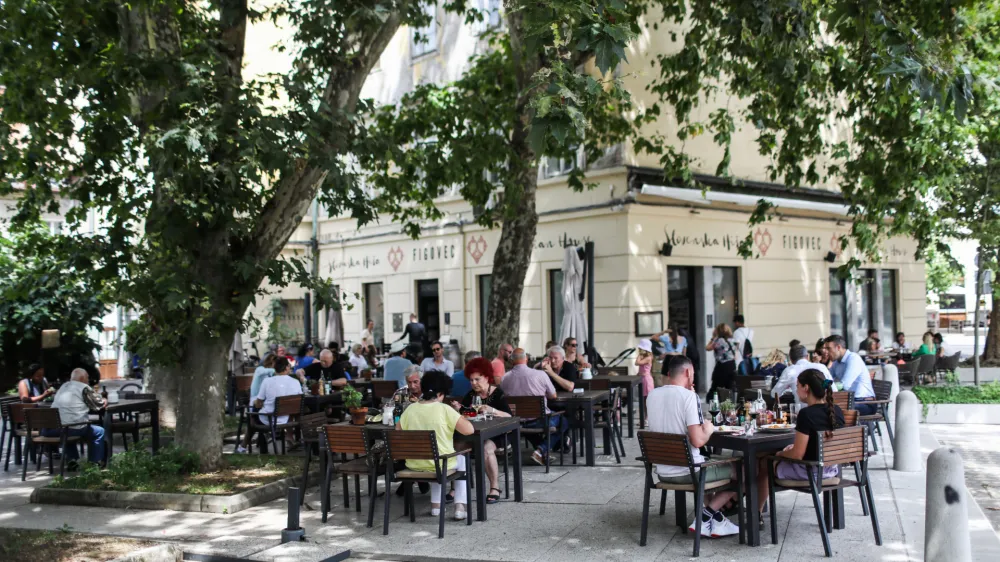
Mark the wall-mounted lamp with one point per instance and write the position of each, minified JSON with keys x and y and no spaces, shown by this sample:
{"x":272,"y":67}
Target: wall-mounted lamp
{"x":830,"y":257}
{"x":782,"y":218}
{"x":666,"y":249}
{"x":695,"y":211}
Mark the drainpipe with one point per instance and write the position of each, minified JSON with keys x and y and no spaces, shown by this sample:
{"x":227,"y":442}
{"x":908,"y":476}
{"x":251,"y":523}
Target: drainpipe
{"x":461,"y":338}
{"x":314,"y":244}
{"x":589,"y":249}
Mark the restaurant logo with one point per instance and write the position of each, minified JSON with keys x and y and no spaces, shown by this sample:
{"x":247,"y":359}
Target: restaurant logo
{"x":477,"y":248}
{"x":835,"y":244}
{"x":762,"y":240}
{"x":395,"y":257}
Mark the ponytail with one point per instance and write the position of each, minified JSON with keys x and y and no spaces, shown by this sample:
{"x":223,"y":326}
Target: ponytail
{"x":820,"y":387}
{"x":830,"y":417}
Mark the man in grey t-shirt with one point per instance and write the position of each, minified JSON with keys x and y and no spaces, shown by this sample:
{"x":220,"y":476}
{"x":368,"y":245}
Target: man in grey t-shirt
{"x":525,"y":381}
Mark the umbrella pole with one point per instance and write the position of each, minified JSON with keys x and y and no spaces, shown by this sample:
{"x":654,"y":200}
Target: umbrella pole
{"x":589,"y":249}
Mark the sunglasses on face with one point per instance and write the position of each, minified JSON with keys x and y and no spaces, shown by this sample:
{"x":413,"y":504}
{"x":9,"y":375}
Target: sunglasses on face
{"x":436,"y":349}
{"x":571,"y":345}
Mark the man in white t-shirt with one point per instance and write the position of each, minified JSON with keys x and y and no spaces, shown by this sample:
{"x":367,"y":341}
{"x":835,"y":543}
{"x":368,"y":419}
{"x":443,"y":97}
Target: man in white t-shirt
{"x":742,"y":336}
{"x":675,"y":408}
{"x":281,"y":384}
{"x":357,"y":359}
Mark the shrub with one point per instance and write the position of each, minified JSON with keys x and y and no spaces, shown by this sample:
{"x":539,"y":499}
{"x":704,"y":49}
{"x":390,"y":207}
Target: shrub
{"x":137,"y":469}
{"x":988,"y":393}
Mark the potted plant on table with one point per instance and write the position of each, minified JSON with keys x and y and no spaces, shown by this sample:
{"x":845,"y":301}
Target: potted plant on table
{"x":352,"y":401}
{"x":727,"y":407}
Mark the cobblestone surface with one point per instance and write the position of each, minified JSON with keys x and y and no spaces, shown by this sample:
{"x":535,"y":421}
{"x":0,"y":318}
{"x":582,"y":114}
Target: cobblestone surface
{"x":980,"y":451}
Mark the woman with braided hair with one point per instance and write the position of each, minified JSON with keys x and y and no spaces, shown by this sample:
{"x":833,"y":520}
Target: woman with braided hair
{"x":819,"y":413}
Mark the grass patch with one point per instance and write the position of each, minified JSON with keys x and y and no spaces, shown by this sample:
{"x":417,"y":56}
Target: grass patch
{"x":988,"y":393}
{"x":174,"y":471}
{"x":63,"y":545}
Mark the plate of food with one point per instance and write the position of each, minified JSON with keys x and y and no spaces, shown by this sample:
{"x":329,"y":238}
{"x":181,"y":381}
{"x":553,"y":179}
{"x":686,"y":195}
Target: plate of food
{"x":777,"y":427}
{"x":729,"y":429}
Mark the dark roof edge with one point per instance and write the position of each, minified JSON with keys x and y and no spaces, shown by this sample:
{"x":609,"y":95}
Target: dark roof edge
{"x":639,"y":176}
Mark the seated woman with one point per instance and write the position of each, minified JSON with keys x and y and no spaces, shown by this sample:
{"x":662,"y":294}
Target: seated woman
{"x":34,"y":388}
{"x":479,"y":371}
{"x":926,"y":348}
{"x":819,"y":414}
{"x":431,"y":413}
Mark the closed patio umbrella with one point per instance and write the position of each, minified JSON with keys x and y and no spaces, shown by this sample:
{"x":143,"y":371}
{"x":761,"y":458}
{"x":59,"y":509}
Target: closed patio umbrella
{"x":236,"y":354}
{"x":334,"y":328}
{"x":574,"y":322}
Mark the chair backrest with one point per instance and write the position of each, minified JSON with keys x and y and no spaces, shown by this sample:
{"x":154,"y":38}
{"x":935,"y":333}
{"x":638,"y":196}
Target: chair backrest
{"x":883,"y":389}
{"x":845,"y":445}
{"x":413,"y":444}
{"x":42,"y":418}
{"x":949,"y":363}
{"x":745,"y":382}
{"x":242,"y":383}
{"x":527,"y":406}
{"x":599,"y":384}
{"x":844,"y":399}
{"x":850,"y":418}
{"x":288,"y":405}
{"x":139,"y":396}
{"x":15,"y":411}
{"x":671,"y":449}
{"x":613,"y":371}
{"x":346,"y":439}
{"x":926,"y":364}
{"x":724,"y":394}
{"x":130,"y":387}
{"x":311,"y":424}
{"x":384,"y":389}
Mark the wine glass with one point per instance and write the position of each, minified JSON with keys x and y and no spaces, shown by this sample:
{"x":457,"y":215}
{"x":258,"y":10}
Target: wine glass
{"x":477,"y":405}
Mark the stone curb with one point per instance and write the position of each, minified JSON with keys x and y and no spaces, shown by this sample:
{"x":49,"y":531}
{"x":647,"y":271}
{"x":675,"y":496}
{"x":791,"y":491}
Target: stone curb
{"x":172,"y":502}
{"x":986,"y":414}
{"x":159,"y":553}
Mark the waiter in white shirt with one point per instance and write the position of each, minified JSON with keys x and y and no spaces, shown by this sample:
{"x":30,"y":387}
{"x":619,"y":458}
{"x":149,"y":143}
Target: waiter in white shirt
{"x":798,"y":356}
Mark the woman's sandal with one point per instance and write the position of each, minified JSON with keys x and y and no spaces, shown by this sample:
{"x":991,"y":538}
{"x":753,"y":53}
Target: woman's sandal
{"x":493,"y":498}
{"x":449,"y":497}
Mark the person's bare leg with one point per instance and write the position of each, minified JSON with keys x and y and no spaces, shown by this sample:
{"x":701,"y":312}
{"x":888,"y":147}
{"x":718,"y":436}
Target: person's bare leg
{"x":715,"y":502}
{"x":762,"y":487}
{"x":492,"y":469}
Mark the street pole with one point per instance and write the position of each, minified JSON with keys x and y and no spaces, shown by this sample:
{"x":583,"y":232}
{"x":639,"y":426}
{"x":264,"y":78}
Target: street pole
{"x":975,"y":321}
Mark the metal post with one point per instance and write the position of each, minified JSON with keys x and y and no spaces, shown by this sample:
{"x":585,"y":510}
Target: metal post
{"x":975,"y":318}
{"x":293,"y":532}
{"x":589,"y":249}
{"x":307,"y":317}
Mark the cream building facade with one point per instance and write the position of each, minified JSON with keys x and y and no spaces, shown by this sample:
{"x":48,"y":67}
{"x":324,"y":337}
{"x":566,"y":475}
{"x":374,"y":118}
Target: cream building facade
{"x":664,"y":255}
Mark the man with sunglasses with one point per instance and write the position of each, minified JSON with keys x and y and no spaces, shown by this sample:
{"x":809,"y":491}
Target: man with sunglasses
{"x":437,"y":362}
{"x":500,"y":362}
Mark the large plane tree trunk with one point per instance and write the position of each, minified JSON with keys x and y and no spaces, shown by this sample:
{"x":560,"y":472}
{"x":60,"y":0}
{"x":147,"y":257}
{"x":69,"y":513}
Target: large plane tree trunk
{"x":991,"y":352}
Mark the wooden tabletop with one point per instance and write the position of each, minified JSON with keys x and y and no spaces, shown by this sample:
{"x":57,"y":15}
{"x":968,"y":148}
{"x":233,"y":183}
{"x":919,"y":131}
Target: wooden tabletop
{"x":620,"y":378}
{"x":585,"y":395}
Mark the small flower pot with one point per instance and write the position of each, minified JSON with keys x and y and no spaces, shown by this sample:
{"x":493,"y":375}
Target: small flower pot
{"x":359,"y":416}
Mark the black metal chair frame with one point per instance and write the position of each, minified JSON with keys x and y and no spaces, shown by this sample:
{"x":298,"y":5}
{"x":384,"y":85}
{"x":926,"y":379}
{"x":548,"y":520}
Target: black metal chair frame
{"x":814,"y":469}
{"x":15,"y":434}
{"x":347,"y":467}
{"x":273,"y":426}
{"x":680,"y":509}
{"x":440,"y":475}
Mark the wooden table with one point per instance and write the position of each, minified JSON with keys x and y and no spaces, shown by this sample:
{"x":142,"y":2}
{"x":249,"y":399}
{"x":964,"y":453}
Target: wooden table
{"x":585,"y":401}
{"x":750,"y":446}
{"x":317,"y":402}
{"x":483,"y":430}
{"x":631,"y":385}
{"x":130,"y":406}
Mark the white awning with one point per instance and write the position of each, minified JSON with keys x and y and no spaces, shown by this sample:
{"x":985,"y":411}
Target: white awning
{"x":695,"y":196}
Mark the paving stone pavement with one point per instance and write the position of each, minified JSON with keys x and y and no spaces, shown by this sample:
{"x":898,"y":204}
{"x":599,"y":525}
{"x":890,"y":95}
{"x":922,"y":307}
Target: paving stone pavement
{"x":980,"y":452}
{"x":573,"y":513}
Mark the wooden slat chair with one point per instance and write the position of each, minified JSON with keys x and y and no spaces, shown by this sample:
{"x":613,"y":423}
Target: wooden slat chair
{"x":14,"y":414}
{"x":421,"y":445}
{"x":337,"y":442}
{"x":844,"y":399}
{"x":37,"y":419}
{"x":531,"y":408}
{"x":746,"y":383}
{"x":243,"y":400}
{"x":674,"y":449}
{"x":383,"y":389}
{"x":290,"y":406}
{"x":883,"y":390}
{"x":851,"y":418}
{"x":608,"y":419}
{"x":847,"y":445}
{"x":3,"y":420}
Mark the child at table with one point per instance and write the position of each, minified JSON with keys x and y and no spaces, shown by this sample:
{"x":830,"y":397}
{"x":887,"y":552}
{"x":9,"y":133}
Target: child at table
{"x":645,"y":364}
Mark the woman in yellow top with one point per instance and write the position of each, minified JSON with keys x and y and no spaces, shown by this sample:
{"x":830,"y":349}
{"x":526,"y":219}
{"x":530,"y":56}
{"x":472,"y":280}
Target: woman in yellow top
{"x":431,"y":413}
{"x":928,"y":346}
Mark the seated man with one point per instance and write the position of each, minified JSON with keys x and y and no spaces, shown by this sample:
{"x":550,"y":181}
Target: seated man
{"x":525,"y":381}
{"x":412,"y":376}
{"x":784,"y":388}
{"x":850,"y":371}
{"x":75,"y":401}
{"x":395,"y":365}
{"x":459,"y":382}
{"x":281,"y":384}
{"x":327,"y":368}
{"x":675,"y":408}
{"x":562,"y":372}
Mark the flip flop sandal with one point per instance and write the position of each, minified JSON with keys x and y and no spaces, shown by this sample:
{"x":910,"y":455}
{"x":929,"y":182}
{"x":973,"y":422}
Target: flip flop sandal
{"x":493,"y":498}
{"x":449,"y":497}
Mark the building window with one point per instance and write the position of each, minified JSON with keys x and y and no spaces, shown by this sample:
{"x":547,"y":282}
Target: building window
{"x":485,"y":289}
{"x":375,"y":311}
{"x":725,"y":293}
{"x":555,"y":303}
{"x":864,"y":303}
{"x":55,"y":227}
{"x":553,"y":167}
{"x":838,"y":304}
{"x":423,"y":40}
{"x":490,"y":10}
{"x":952,"y":302}
{"x":889,"y":301}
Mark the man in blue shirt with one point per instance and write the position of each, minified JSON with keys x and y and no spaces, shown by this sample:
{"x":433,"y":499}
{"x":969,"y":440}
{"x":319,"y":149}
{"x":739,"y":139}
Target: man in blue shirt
{"x":460,"y":385}
{"x":850,"y":371}
{"x":395,"y":365}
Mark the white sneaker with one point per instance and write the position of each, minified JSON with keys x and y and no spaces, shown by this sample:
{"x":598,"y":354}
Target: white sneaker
{"x":461,"y":515}
{"x":706,"y":527}
{"x":435,"y":511}
{"x":724,"y":528}
{"x":241,"y":450}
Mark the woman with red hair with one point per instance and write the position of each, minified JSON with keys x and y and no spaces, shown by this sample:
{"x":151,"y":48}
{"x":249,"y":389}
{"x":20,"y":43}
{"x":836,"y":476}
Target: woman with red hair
{"x":479,"y":371}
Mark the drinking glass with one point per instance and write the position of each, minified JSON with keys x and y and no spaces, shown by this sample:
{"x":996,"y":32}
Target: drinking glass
{"x":489,"y":414}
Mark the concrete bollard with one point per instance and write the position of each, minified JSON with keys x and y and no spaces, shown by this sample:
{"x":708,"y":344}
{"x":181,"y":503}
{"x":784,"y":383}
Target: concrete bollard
{"x":946,"y":521}
{"x":891,"y":373}
{"x":906,"y":448}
